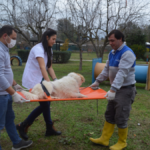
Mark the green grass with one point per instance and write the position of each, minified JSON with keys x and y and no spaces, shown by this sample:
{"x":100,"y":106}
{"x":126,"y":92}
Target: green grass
{"x":91,"y":55}
{"x":85,"y":56}
{"x":78,"y":120}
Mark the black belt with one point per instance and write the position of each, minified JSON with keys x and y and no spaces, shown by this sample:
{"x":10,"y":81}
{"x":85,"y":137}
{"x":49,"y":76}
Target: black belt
{"x":128,"y":86}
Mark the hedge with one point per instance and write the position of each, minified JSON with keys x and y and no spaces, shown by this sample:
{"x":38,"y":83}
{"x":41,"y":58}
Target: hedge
{"x":23,"y":54}
{"x":139,"y":51}
{"x":58,"y":56}
{"x":61,"y":56}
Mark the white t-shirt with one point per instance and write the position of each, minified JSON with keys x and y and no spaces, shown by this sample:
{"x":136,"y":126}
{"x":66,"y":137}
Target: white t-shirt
{"x":32,"y":72}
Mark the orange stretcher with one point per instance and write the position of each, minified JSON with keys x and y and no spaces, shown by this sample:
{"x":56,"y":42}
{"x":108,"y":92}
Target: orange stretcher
{"x":90,"y":93}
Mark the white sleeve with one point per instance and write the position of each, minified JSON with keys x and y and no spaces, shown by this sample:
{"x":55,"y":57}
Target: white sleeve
{"x":38,"y":52}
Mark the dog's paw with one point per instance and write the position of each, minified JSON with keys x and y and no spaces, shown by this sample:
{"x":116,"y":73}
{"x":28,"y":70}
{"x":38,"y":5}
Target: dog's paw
{"x":82,"y":96}
{"x":85,"y":96}
{"x":33,"y":97}
{"x":30,"y":96}
{"x":54,"y":97}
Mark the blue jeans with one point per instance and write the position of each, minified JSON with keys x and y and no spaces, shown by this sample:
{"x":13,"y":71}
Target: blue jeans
{"x":7,"y":117}
{"x":43,"y":108}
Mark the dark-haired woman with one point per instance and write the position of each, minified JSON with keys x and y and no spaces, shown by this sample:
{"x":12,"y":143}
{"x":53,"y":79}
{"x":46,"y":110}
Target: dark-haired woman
{"x":38,"y":64}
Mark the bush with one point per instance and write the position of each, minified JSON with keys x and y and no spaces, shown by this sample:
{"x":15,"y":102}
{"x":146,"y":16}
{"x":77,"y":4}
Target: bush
{"x":139,"y":51}
{"x":23,"y":54}
{"x":61,"y":56}
{"x":64,"y":47}
{"x":13,"y":51}
{"x":146,"y":54}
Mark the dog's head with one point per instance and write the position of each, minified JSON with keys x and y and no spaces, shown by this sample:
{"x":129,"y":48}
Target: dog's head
{"x":81,"y":76}
{"x":78,"y":77}
{"x":48,"y":86}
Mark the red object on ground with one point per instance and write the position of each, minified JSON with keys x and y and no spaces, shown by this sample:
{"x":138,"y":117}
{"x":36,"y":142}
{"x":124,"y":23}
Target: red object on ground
{"x":90,"y":93}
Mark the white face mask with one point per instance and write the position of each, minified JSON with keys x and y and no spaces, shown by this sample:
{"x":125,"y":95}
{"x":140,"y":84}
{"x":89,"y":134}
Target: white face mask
{"x":12,"y":43}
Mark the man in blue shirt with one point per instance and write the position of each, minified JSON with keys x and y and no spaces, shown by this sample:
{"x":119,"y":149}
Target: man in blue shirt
{"x":8,"y":37}
{"x":121,"y":73}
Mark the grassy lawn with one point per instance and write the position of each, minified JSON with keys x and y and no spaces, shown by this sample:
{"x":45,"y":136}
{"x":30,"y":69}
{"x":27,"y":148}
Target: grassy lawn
{"x":78,"y":120}
{"x":85,"y":56}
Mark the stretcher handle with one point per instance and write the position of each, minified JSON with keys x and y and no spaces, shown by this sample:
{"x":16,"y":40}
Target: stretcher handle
{"x":27,"y":101}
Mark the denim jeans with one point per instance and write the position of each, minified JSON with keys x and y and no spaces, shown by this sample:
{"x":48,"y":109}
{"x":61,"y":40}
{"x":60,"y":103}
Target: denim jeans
{"x":7,"y":117}
{"x":43,"y":108}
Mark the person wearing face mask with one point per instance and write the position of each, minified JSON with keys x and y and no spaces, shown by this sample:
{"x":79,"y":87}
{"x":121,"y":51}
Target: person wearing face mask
{"x":8,"y":37}
{"x":38,"y":64}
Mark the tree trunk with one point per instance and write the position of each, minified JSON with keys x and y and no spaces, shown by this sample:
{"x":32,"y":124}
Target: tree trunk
{"x":103,"y":48}
{"x":80,"y":66}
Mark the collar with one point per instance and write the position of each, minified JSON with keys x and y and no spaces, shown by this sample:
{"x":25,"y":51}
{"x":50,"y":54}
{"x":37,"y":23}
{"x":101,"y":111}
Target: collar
{"x":3,"y":46}
{"x":45,"y":90}
{"x":119,"y":49}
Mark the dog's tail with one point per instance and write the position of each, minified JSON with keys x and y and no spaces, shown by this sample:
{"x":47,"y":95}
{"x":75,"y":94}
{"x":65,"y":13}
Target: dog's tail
{"x":29,"y":96}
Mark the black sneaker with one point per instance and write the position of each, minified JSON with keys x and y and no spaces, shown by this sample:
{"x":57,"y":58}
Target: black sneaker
{"x":22,"y":144}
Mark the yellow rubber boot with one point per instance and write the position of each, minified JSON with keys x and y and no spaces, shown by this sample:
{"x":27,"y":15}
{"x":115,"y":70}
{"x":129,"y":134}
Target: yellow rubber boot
{"x":107,"y":132}
{"x":121,"y":141}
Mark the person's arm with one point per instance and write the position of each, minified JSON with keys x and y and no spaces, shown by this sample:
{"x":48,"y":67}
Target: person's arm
{"x":42,"y":67}
{"x":51,"y":72}
{"x":4,"y":84}
{"x":16,"y":86}
{"x":14,"y":83}
{"x":10,"y":90}
{"x":15,"y":96}
{"x":104,"y":74}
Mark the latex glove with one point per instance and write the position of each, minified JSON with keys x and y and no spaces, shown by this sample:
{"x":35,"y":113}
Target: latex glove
{"x":95,"y":84}
{"x":110,"y":95}
{"x":18,"y":98}
{"x":17,"y":87}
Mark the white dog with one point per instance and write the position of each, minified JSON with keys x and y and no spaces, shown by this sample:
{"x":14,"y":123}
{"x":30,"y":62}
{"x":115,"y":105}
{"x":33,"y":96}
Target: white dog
{"x":66,"y":87}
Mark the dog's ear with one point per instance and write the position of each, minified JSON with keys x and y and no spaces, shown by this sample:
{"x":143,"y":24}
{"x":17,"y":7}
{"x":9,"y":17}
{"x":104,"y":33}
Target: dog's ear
{"x":82,"y":78}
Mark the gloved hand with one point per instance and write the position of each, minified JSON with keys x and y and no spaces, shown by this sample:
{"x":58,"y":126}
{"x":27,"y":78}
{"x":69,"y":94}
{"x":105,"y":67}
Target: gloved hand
{"x":18,"y":98}
{"x":17,"y":87}
{"x":95,"y":84}
{"x":110,"y":95}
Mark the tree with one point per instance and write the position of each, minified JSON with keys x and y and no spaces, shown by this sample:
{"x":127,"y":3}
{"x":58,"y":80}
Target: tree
{"x":133,"y":34}
{"x":81,"y":16}
{"x":112,"y":14}
{"x":139,"y":51}
{"x":146,"y":29}
{"x":101,"y":18}
{"x":67,"y":26}
{"x":64,"y":47}
{"x":33,"y":16}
